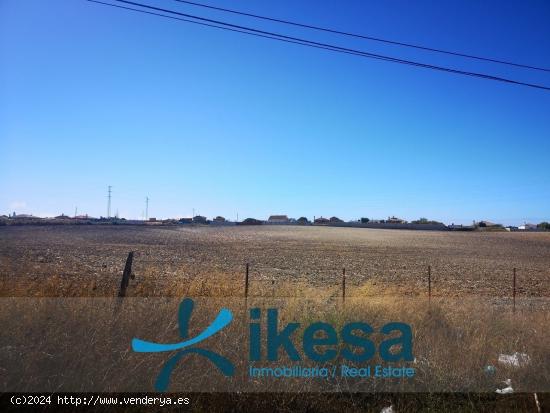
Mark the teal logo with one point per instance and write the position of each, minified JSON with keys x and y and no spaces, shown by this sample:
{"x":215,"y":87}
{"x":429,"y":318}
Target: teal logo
{"x":186,"y":346}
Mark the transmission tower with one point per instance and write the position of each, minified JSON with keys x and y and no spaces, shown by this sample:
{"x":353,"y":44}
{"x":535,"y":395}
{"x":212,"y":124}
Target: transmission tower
{"x":146,"y":208}
{"x":109,"y":201}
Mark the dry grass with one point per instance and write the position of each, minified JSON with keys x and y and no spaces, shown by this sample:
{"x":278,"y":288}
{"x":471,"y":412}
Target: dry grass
{"x":453,"y":339}
{"x":467,"y":325}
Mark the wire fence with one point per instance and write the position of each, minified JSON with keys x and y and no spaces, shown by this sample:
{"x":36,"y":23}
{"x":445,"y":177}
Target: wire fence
{"x":367,"y":278}
{"x":260,"y":280}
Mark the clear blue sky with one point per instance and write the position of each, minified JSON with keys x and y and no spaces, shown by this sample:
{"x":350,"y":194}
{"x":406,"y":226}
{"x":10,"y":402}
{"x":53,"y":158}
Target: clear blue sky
{"x":200,"y":118}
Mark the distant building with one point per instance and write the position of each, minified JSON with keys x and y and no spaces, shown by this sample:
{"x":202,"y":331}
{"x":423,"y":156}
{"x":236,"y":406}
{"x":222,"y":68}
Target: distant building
{"x":486,"y":224}
{"x":527,"y":227}
{"x":23,"y":216}
{"x":278,"y":219}
{"x":321,"y":221}
{"x":152,"y":220}
{"x":221,"y":221}
{"x":460,"y":227}
{"x":395,"y":220}
{"x":185,"y":220}
{"x":170,"y":221}
{"x":335,"y":220}
{"x":199,"y":219}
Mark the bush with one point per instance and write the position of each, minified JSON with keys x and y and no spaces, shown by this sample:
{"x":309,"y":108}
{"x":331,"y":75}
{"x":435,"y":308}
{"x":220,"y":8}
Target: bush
{"x":426,"y":221}
{"x":251,"y":221}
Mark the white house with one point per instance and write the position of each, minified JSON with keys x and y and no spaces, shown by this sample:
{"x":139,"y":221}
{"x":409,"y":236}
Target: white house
{"x":527,"y":227}
{"x":278,"y":219}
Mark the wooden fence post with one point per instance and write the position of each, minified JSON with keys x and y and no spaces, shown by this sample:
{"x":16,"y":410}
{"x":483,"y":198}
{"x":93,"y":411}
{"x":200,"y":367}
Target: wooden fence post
{"x":344,"y":284}
{"x":126,"y":275}
{"x":514,"y":289}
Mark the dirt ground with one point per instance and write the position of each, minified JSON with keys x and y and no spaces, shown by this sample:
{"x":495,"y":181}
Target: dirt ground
{"x":88,"y":260}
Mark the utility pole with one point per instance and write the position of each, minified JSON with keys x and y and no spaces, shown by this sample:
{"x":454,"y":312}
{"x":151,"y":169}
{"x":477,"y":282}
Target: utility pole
{"x":75,"y":211}
{"x":146,"y":208}
{"x":193,"y":212}
{"x":109,"y":201}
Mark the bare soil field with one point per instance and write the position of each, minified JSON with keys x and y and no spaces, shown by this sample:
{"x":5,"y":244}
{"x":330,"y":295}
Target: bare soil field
{"x":88,"y":261}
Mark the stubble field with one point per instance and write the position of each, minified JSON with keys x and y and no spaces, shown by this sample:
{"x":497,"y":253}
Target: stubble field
{"x":284,"y":260}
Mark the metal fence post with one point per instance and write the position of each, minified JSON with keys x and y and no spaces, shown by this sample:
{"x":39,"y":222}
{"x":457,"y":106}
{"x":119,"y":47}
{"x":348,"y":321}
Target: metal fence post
{"x":429,"y":283}
{"x":514,"y":289}
{"x":344,"y":284}
{"x":246,"y":282}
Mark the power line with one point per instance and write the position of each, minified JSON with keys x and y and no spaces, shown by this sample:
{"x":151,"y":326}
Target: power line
{"x":309,"y":43}
{"x":360,"y":36}
{"x":205,"y":24}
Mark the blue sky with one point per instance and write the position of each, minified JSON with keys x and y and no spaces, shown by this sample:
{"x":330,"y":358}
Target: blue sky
{"x":225,"y":123}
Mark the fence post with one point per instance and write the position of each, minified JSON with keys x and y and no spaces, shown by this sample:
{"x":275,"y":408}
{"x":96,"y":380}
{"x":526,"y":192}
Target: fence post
{"x":537,"y":403}
{"x":344,"y":284}
{"x":514,"y":289}
{"x":126,"y":275}
{"x":429,"y":283}
{"x":246,"y":282}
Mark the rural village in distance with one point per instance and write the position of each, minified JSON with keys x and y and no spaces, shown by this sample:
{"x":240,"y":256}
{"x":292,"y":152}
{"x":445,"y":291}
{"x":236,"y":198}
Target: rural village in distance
{"x":392,"y":222}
